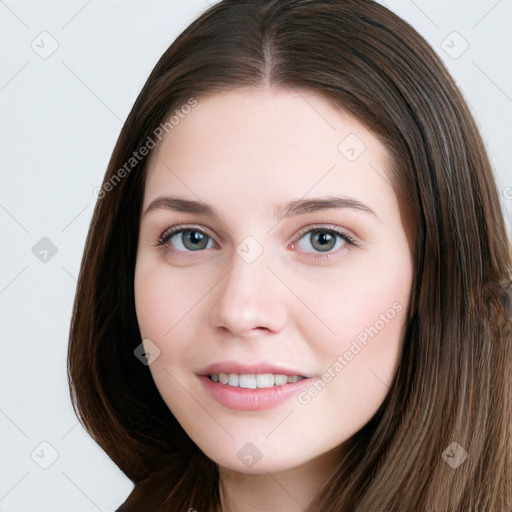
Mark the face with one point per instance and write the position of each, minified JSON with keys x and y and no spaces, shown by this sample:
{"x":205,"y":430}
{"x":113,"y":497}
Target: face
{"x":271,"y":255}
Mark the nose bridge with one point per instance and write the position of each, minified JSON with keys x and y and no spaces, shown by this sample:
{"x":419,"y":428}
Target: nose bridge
{"x":248,"y":299}
{"x":247,"y":281}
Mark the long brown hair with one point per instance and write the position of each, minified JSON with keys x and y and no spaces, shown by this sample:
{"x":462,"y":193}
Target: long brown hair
{"x":453,"y":381}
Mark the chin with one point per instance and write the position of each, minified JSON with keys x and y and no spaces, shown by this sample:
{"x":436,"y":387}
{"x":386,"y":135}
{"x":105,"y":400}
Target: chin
{"x":264,"y":464}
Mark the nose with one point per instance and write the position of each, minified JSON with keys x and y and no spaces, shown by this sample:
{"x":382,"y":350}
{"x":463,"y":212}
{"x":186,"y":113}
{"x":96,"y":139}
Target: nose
{"x":250,"y":300}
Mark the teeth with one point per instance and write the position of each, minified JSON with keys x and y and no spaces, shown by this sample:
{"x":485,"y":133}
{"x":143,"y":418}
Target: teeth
{"x":265,"y":380}
{"x":249,"y":381}
{"x":280,"y":379}
{"x":252,"y":381}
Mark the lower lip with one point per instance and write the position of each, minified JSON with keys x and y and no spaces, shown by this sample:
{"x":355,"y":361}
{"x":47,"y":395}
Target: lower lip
{"x":242,"y":399}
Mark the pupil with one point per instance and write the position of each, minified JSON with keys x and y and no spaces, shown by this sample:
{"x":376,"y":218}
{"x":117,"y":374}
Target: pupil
{"x":323,"y":241}
{"x":194,"y":240}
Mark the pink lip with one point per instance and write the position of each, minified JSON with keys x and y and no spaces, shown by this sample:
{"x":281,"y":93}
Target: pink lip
{"x":242,"y":399}
{"x":240,"y":368}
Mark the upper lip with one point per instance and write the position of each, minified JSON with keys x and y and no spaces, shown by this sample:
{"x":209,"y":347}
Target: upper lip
{"x":255,"y":368}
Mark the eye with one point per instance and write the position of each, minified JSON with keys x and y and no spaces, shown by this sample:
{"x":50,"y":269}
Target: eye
{"x":323,"y":240}
{"x":186,"y":240}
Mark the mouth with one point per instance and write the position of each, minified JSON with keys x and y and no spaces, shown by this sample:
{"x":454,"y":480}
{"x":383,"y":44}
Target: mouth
{"x":253,"y":398}
{"x":252,"y":387}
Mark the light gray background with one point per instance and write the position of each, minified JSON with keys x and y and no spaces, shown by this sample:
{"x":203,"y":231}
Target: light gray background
{"x":60,"y":117}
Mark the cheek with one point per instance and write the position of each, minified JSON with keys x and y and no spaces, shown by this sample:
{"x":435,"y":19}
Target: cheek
{"x":151,"y":303}
{"x":363,"y":313}
{"x":169,"y":305}
{"x":358,"y":301}
{"x":357,"y":365}
{"x":161,"y":310}
{"x":160,"y":306}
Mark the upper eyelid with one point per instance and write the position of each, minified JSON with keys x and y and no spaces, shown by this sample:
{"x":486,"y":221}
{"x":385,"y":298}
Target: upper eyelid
{"x":178,"y":228}
{"x":323,"y":227}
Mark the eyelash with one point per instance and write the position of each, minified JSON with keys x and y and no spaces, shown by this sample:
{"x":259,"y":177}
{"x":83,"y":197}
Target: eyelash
{"x":166,"y":236}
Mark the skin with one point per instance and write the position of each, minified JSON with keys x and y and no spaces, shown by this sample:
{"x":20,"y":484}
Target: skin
{"x":243,"y":152}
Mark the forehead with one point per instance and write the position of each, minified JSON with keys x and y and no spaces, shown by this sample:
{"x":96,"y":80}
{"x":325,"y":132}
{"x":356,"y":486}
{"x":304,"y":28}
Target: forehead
{"x":268,"y":142}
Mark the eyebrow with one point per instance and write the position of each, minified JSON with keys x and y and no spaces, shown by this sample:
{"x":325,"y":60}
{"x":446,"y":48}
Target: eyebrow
{"x":298,"y":207}
{"x":302,"y":206}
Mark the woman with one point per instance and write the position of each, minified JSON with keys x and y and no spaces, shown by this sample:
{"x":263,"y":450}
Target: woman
{"x":293,"y":291}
